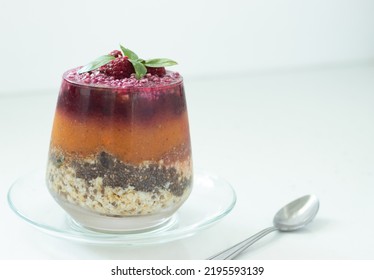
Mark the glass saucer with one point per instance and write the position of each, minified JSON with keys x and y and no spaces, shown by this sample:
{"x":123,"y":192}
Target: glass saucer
{"x":211,"y":199}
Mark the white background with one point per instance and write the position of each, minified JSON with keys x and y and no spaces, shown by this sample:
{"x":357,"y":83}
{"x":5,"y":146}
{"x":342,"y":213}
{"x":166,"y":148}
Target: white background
{"x":280,"y":99}
{"x":41,"y":39}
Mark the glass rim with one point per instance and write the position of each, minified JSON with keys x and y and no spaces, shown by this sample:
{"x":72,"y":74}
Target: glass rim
{"x":129,"y":88}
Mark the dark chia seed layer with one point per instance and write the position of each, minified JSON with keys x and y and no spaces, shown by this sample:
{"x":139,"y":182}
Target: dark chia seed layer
{"x":147,"y":178}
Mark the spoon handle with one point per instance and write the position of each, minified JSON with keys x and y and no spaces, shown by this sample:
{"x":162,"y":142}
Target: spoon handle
{"x":235,"y":250}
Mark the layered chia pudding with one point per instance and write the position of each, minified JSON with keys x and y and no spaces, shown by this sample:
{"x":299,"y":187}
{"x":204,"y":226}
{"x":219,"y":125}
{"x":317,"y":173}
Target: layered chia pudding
{"x":120,"y":153}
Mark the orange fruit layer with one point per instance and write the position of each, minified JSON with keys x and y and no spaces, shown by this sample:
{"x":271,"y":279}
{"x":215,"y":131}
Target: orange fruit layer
{"x":132,"y":143}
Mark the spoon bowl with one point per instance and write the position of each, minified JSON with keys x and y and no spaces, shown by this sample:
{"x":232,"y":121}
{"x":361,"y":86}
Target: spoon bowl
{"x":297,"y":213}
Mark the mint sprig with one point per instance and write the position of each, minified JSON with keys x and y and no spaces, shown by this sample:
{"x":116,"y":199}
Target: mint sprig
{"x":140,"y":69}
{"x":159,"y":62}
{"x":98,"y":62}
{"x":140,"y":65}
{"x":130,"y":54}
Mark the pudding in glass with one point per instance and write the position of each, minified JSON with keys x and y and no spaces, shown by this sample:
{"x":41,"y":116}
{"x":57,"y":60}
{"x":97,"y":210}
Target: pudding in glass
{"x":120,"y":152}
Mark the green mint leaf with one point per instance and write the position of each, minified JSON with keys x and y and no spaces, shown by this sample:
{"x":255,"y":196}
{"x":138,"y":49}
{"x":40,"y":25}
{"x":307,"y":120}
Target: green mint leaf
{"x":130,"y":54}
{"x":140,"y":69}
{"x":159,"y":62}
{"x":102,"y":60}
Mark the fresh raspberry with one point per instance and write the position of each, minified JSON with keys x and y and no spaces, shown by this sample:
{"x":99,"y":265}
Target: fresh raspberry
{"x":159,"y":71}
{"x":118,"y":68}
{"x":115,"y":53}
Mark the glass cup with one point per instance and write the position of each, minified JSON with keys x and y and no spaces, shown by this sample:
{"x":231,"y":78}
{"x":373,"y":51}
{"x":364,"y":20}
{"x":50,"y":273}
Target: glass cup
{"x":120,"y":157}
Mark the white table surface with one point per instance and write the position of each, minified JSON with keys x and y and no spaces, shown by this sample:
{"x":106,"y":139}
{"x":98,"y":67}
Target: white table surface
{"x":273,"y":136}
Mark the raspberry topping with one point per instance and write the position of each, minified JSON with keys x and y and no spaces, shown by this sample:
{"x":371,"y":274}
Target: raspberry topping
{"x":159,"y":71}
{"x":121,"y":65}
{"x":115,"y":53}
{"x":118,"y":68}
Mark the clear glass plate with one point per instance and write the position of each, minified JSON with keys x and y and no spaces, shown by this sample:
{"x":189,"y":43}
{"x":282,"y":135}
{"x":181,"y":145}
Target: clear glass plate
{"x":211,"y":199}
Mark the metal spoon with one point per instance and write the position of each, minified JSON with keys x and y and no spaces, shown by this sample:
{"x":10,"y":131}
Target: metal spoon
{"x":292,"y":216}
